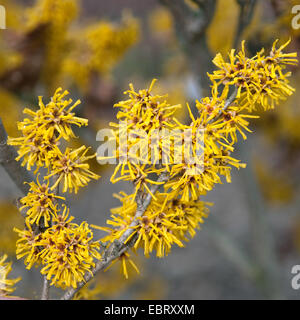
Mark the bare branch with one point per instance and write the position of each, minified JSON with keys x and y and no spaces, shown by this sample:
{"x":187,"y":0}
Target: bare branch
{"x":14,"y":169}
{"x":46,"y":289}
{"x":245,"y":16}
{"x":191,"y":24}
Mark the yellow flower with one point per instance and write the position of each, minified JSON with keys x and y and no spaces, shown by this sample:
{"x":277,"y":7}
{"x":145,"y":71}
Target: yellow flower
{"x":124,"y":260}
{"x":67,"y":254}
{"x":232,"y":122}
{"x":66,"y":250}
{"x":72,"y":170}
{"x":43,"y":130}
{"x":27,"y":247}
{"x":58,"y":114}
{"x":40,"y":204}
{"x":6,"y":285}
{"x":210,"y":107}
{"x":165,"y":222}
{"x":38,"y":149}
{"x":141,"y":117}
{"x":145,"y":111}
{"x":260,"y":80}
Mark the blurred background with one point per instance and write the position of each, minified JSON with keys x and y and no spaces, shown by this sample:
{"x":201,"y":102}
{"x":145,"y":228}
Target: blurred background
{"x":95,"y":48}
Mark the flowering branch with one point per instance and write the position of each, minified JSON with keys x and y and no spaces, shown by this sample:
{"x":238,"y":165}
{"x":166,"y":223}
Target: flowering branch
{"x":8,"y":154}
{"x":119,"y":246}
{"x":148,"y":218}
{"x":122,"y":244}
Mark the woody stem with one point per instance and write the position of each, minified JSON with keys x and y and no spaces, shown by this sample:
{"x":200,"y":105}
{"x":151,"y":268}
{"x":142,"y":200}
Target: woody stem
{"x":8,"y":155}
{"x":46,"y":289}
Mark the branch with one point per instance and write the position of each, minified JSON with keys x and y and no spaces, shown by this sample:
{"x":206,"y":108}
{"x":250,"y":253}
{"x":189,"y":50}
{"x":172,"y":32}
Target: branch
{"x":119,"y":246}
{"x":245,"y":16}
{"x":191,"y":24}
{"x":8,"y":155}
{"x":227,"y":103}
{"x":46,"y":289}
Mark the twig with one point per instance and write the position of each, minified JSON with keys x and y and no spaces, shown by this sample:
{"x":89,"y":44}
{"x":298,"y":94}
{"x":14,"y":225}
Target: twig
{"x":245,"y":16}
{"x":8,"y":154}
{"x":46,"y":289}
{"x":227,"y":103}
{"x":191,"y":24}
{"x":119,"y":246}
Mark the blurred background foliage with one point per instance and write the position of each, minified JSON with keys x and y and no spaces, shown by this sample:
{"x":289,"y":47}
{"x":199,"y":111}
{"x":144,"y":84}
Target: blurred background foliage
{"x":94,"y":48}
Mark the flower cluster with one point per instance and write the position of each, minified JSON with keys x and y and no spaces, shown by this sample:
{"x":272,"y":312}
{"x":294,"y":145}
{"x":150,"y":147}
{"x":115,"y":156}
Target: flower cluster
{"x":199,"y":153}
{"x":72,"y":168}
{"x":142,"y":118}
{"x":41,"y":135}
{"x":171,"y":164}
{"x":6,"y":285}
{"x":65,"y":250}
{"x":162,"y":225}
{"x":260,"y":80}
{"x":39,"y":203}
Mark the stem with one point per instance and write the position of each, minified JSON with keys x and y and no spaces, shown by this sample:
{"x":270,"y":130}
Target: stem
{"x":245,"y":16}
{"x":191,"y":25}
{"x":228,"y":102}
{"x":46,"y":289}
{"x":8,"y":155}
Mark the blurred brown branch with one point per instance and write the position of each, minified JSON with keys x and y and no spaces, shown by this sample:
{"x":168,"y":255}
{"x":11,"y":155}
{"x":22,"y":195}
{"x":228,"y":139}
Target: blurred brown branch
{"x":191,"y":23}
{"x":246,"y":13}
{"x":32,"y":47}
